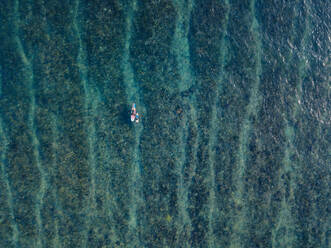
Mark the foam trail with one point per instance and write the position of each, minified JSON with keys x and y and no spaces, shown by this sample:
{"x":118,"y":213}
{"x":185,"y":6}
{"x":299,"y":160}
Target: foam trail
{"x":184,"y":223}
{"x":44,"y":19}
{"x":111,"y":206}
{"x":212,"y":214}
{"x":238,"y":175}
{"x":55,"y":146}
{"x":212,"y":197}
{"x":285,"y":219}
{"x":184,"y":219}
{"x":89,"y":123}
{"x":57,"y":240}
{"x":31,"y":117}
{"x":303,"y":61}
{"x":0,"y":81}
{"x":132,"y":88}
{"x":180,"y":44}
{"x":4,"y":176}
{"x":180,"y":47}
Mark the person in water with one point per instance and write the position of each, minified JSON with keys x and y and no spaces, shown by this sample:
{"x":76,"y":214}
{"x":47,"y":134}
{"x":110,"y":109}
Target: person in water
{"x":137,"y":117}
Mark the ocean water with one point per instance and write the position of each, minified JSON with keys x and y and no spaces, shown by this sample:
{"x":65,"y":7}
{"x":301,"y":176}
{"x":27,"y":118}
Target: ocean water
{"x":233,"y":148}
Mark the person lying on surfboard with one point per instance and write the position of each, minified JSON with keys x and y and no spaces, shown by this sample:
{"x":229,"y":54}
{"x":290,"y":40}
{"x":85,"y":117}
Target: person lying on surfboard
{"x":133,"y":112}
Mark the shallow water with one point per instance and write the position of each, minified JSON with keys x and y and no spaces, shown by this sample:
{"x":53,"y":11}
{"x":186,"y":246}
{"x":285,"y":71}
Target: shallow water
{"x":233,"y":148}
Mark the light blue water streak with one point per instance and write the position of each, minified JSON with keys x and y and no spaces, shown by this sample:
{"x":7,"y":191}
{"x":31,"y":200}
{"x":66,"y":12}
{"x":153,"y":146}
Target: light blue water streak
{"x":89,"y":125}
{"x":240,"y":218}
{"x":4,"y":176}
{"x":31,"y":118}
{"x":132,"y":91}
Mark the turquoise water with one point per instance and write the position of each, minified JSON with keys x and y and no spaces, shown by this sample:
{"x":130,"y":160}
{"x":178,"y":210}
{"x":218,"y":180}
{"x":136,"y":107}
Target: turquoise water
{"x":233,"y":148}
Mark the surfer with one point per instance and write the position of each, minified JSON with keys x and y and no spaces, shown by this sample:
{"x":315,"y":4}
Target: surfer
{"x":134,"y":114}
